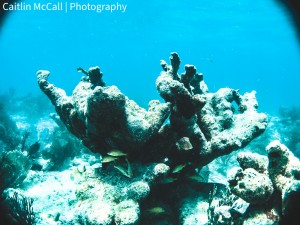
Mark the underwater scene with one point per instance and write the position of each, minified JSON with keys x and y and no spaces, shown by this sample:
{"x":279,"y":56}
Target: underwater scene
{"x":149,"y":112}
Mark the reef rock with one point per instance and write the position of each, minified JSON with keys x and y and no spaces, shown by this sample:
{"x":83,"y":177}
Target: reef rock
{"x":102,"y":117}
{"x":284,"y":170}
{"x":202,"y":126}
{"x":154,"y":155}
{"x":251,"y":182}
{"x":250,"y":185}
{"x":273,"y":183}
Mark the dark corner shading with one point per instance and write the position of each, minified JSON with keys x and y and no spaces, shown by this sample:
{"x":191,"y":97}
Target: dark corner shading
{"x":293,"y":8}
{"x":4,"y":13}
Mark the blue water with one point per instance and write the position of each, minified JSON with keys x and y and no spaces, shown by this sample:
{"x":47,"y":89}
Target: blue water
{"x":246,"y":45}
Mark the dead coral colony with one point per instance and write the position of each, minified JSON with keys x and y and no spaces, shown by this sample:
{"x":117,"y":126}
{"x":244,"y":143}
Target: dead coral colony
{"x":145,"y":147}
{"x":105,"y":119}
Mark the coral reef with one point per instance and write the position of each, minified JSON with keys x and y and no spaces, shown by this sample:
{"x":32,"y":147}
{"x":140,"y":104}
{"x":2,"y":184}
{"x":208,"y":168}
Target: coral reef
{"x":14,"y":166}
{"x":159,"y":149}
{"x":102,"y":117}
{"x":207,"y":120}
{"x":21,"y":210}
{"x":251,"y":181}
{"x":284,"y":170}
{"x":202,"y":126}
{"x":271,"y":184}
{"x":225,"y":208}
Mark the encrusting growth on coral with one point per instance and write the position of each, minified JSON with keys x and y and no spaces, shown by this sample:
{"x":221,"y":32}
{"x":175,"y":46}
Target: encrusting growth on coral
{"x":207,"y":120}
{"x":202,"y":125}
{"x":102,"y":117}
{"x":272,"y":182}
{"x":284,"y":171}
{"x":163,"y":148}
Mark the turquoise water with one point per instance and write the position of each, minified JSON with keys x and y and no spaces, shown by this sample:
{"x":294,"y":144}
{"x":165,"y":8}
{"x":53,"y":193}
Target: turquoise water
{"x":246,"y":45}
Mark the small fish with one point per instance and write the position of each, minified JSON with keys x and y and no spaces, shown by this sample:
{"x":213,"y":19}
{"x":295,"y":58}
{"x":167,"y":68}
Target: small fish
{"x":168,"y":180}
{"x":123,"y":171}
{"x":156,"y":210}
{"x":116,"y":153}
{"x":72,"y":176}
{"x":108,"y":159}
{"x":197,"y":178}
{"x":178,"y":168}
{"x":129,"y":169}
{"x":81,"y":169}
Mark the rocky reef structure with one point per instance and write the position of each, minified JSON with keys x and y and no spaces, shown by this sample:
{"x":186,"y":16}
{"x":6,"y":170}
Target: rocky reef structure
{"x":208,"y":122}
{"x":202,"y":125}
{"x":102,"y":117}
{"x":147,"y":153}
{"x":251,"y":180}
{"x":270,"y":184}
{"x":284,"y":170}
